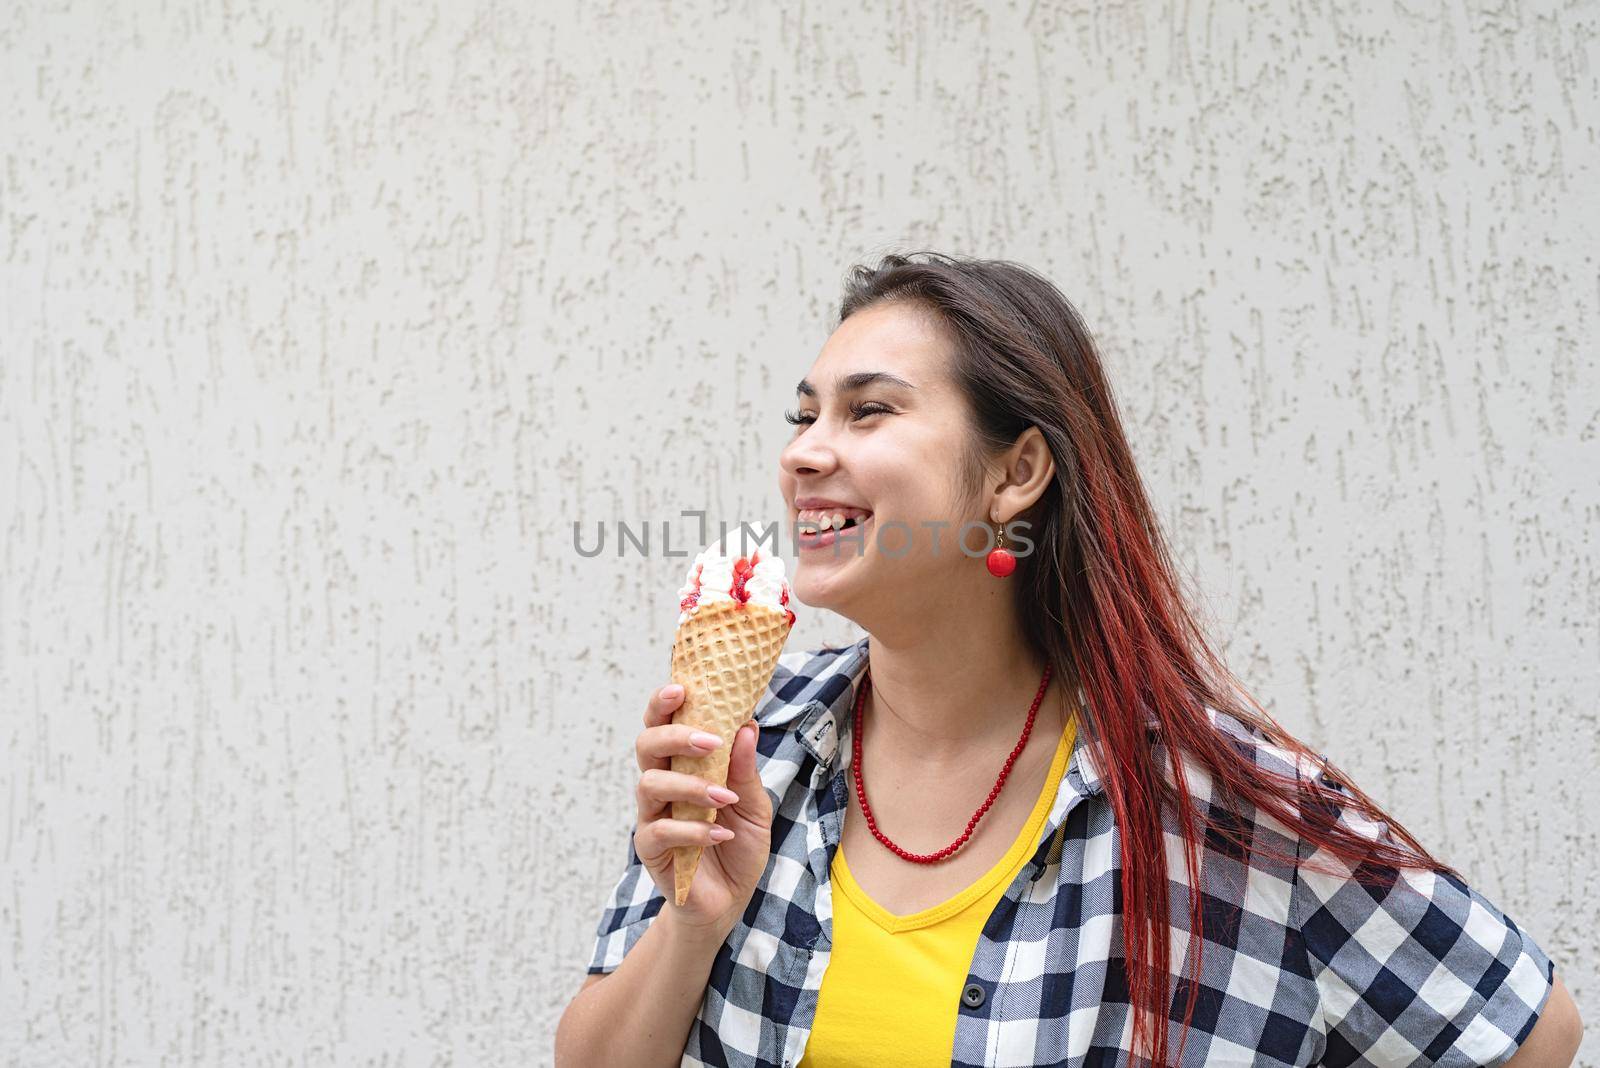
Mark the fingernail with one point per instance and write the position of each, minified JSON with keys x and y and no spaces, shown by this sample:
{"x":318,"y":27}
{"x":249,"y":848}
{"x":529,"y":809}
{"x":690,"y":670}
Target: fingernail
{"x":727,"y":797}
{"x":720,"y":834}
{"x":704,"y":740}
{"x":670,"y":692}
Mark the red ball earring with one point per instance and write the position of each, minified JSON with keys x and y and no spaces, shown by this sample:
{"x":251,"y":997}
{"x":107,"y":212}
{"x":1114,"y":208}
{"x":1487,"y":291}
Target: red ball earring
{"x":1001,"y":563}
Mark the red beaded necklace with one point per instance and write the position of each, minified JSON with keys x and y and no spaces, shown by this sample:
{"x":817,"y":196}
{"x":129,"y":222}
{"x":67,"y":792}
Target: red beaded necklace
{"x":861,"y":791}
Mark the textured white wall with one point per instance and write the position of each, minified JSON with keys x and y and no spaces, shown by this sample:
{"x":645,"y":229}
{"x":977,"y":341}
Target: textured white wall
{"x":323,"y":323}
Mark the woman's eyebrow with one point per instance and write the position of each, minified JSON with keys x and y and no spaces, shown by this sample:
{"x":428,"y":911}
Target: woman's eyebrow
{"x":851,"y":382}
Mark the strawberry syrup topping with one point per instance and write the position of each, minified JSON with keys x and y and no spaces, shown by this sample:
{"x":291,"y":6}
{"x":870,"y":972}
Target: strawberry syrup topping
{"x":693,"y":597}
{"x":741,"y":572}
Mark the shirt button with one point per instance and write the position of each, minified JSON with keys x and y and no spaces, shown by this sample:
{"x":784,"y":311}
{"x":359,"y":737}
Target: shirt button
{"x":972,"y":996}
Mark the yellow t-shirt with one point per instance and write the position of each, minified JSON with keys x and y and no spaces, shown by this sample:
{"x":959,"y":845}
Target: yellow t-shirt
{"x":892,"y":988}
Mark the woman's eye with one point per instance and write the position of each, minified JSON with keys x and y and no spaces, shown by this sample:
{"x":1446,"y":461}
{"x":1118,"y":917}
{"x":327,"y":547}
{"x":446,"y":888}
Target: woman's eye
{"x":860,"y":411}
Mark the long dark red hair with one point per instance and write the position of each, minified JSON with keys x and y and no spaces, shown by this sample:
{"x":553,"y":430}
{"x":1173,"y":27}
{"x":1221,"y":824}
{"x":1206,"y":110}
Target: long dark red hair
{"x":1099,"y":598}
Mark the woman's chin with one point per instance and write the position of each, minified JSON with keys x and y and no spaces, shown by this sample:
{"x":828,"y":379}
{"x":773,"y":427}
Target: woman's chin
{"x":817,"y":584}
{"x":828,"y":574}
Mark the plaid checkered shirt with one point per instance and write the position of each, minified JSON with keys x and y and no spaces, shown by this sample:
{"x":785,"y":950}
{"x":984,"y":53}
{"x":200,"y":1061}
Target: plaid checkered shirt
{"x":1299,"y":967}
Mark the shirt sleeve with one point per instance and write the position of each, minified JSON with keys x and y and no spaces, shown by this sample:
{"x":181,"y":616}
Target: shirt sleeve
{"x":1417,"y":968}
{"x":634,"y":902}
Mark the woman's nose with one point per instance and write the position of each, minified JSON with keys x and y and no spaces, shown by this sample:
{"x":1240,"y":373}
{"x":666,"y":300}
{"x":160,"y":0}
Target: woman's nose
{"x":808,"y":454}
{"x":812,"y":460}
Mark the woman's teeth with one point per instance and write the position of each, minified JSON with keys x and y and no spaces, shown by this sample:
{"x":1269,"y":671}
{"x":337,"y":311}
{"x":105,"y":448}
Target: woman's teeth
{"x":816,"y":521}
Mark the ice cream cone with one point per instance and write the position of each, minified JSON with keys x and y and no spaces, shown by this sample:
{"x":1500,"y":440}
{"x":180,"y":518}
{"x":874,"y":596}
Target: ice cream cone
{"x":723,"y":655}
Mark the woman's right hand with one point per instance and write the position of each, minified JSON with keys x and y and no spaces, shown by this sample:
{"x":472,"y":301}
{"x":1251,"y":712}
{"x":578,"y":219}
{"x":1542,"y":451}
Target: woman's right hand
{"x":729,"y":871}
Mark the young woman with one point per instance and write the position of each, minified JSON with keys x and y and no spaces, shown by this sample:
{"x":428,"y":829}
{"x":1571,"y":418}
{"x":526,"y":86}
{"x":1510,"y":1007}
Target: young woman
{"x":1030,"y":819}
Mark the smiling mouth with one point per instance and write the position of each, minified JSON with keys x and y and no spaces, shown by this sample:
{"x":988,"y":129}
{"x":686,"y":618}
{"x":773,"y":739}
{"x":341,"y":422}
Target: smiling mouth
{"x":812,"y":537}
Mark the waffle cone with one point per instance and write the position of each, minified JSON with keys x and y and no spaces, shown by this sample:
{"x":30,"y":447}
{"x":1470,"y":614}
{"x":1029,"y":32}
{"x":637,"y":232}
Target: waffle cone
{"x":723,"y":656}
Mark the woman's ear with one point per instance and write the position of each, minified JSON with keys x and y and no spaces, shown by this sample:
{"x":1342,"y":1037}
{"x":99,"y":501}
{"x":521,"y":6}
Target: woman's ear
{"x":1027,"y":471}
